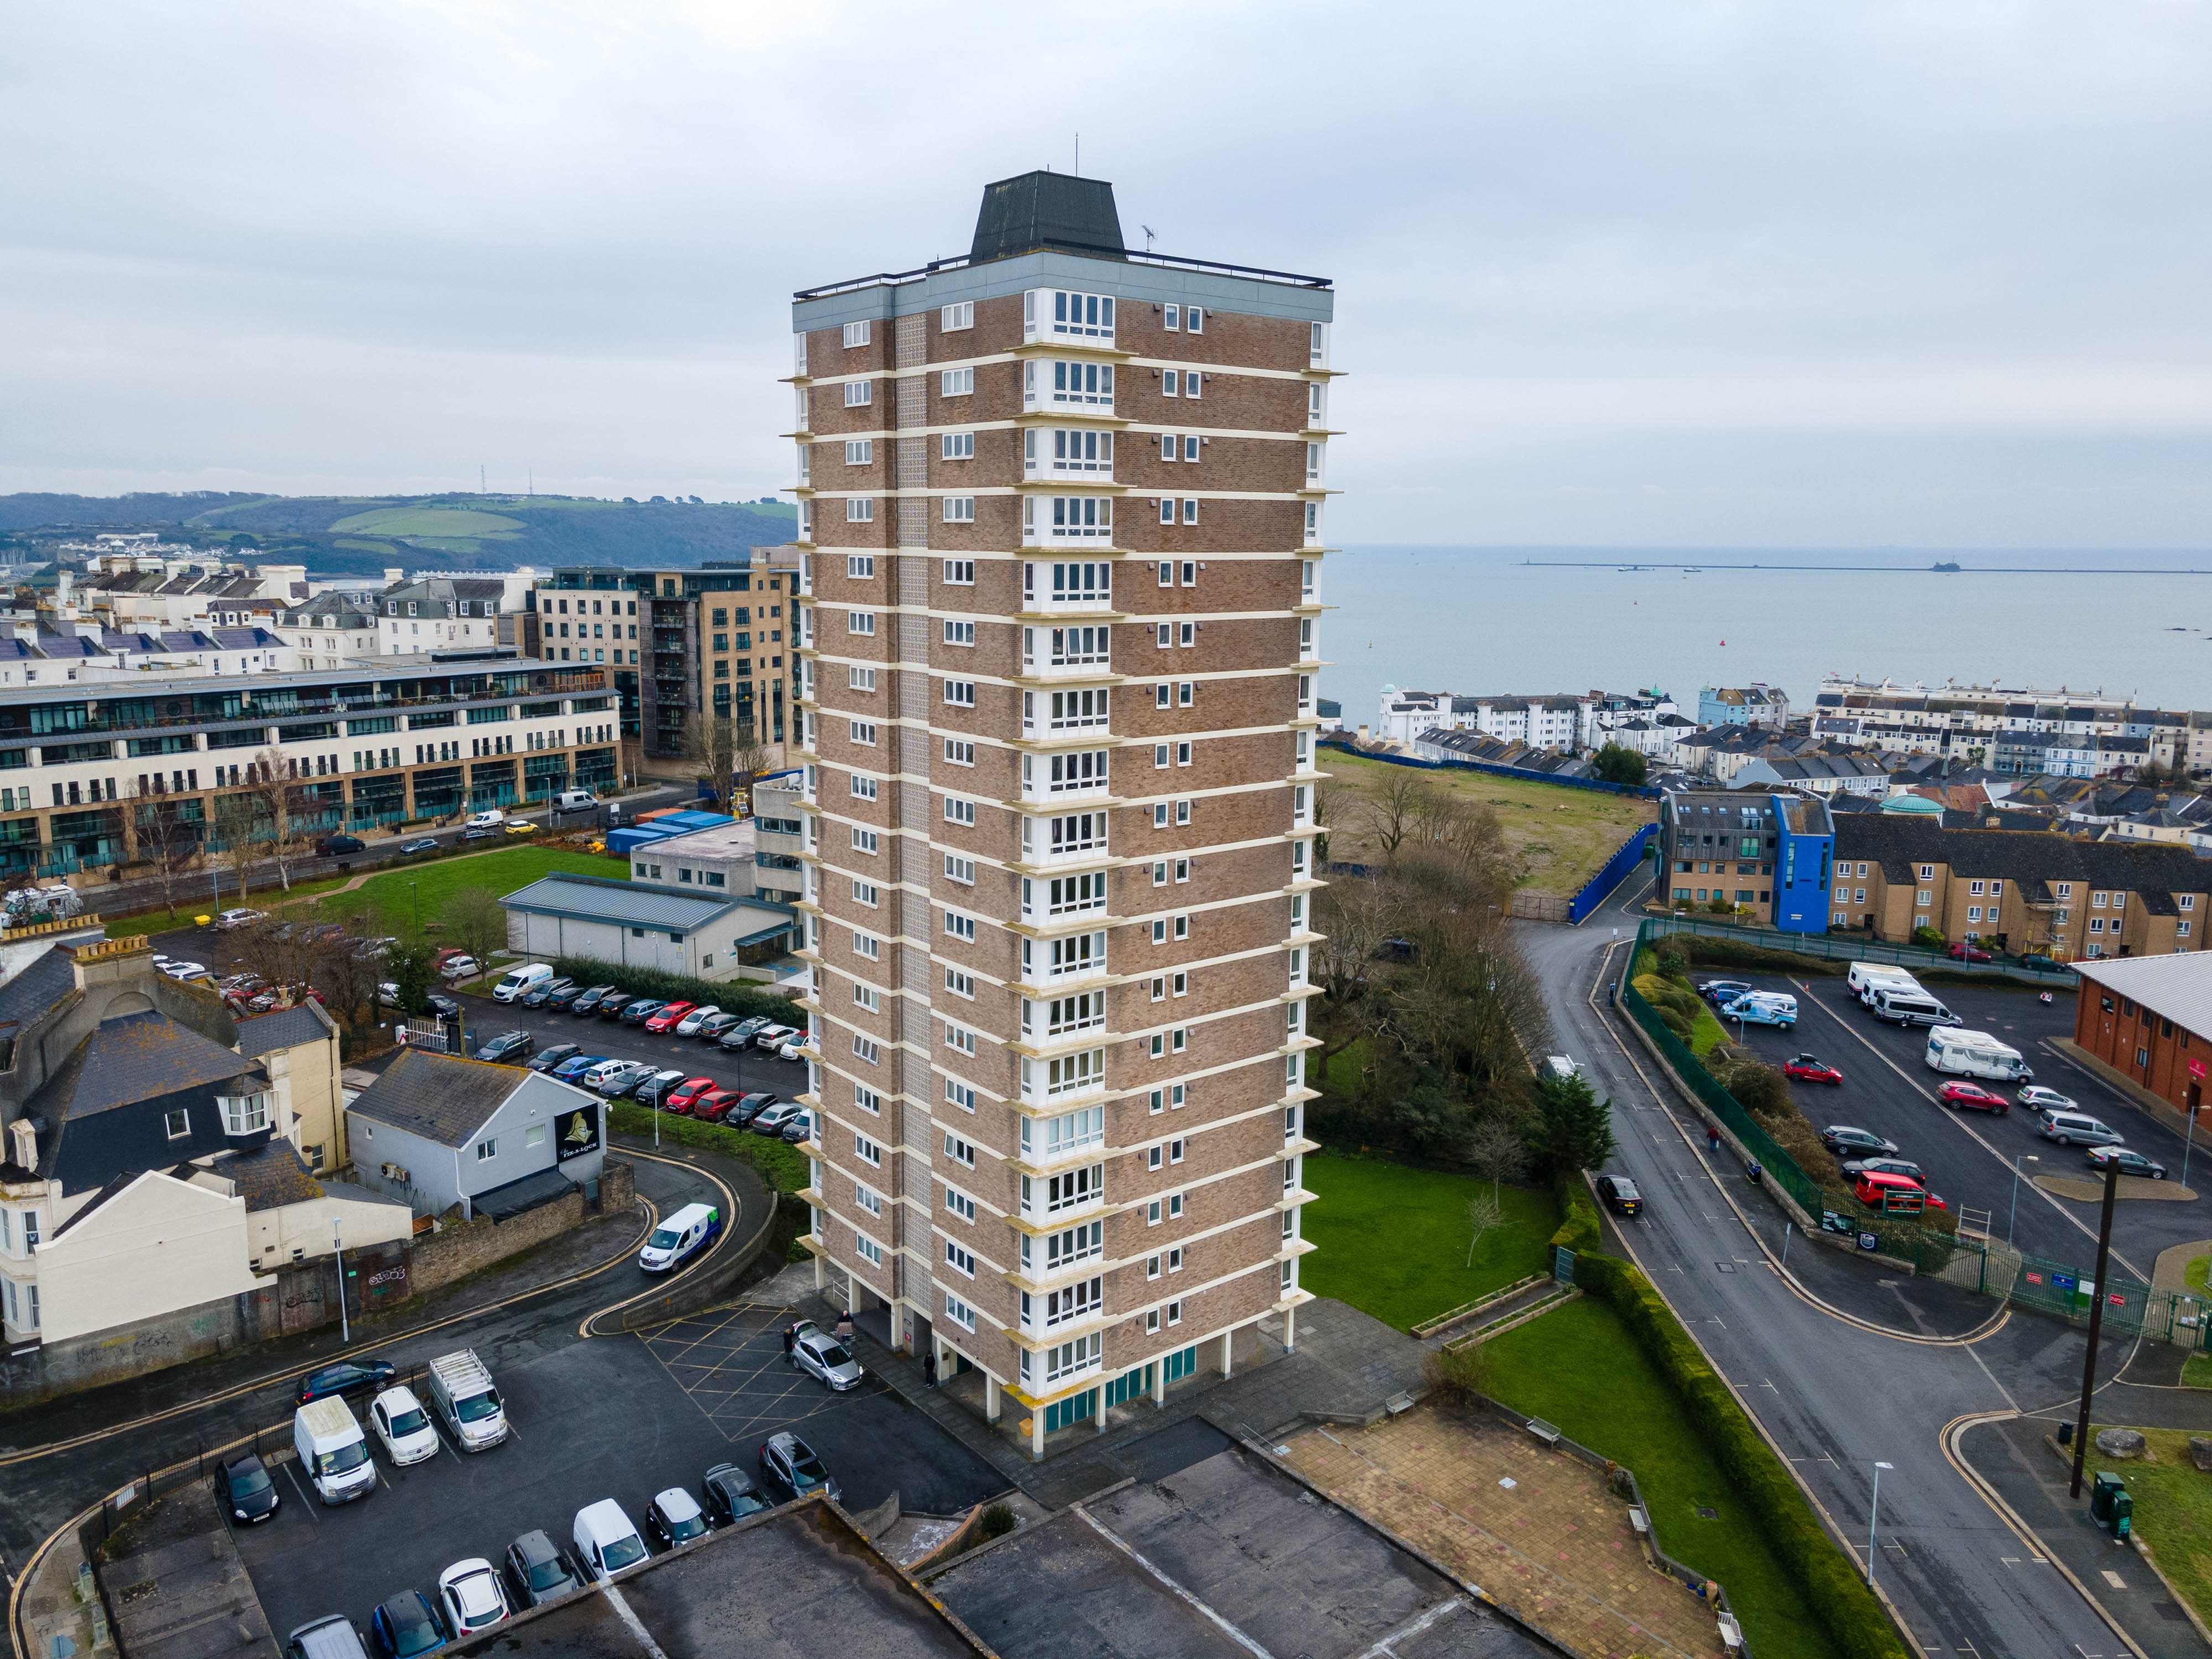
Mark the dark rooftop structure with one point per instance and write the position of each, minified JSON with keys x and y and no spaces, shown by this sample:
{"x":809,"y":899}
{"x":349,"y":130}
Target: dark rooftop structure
{"x":1046,"y":209}
{"x":268,"y":1177}
{"x":438,"y":1096}
{"x":287,"y":1028}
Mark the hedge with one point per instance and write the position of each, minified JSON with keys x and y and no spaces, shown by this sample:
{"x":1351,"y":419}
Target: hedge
{"x":1830,"y":1579}
{"x":1578,"y":1227}
{"x":731,"y":995}
{"x":782,"y":1164}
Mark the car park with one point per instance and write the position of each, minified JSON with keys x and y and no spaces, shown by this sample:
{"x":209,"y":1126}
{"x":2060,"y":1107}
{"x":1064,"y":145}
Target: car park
{"x":244,"y":1485}
{"x":442,"y":1004}
{"x":509,"y":1048}
{"x":711,"y":1107}
{"x":674,"y":1517}
{"x":347,"y":1376}
{"x":2128,"y":1161}
{"x":397,"y":1420}
{"x":1762,"y":1008}
{"x":332,"y":1636}
{"x":772,"y":1121}
{"x":538,"y":1570}
{"x":2078,"y":1129}
{"x":588,"y":1002}
{"x":472,"y":1598}
{"x":1807,"y":1068}
{"x":562,"y":997}
{"x":653,"y":1091}
{"x":575,"y":1065}
{"x":406,"y":1626}
{"x":1843,"y":1138}
{"x":462,"y":1392}
{"x":539,"y":994}
{"x":420,"y":844}
{"x":772,"y":1037}
{"x":1620,"y":1193}
{"x":2037,"y":1098}
{"x":679,"y":1098}
{"x":616,"y":1085}
{"x":611,"y":1006}
{"x":644,"y":1008}
{"x":1720,"y":991}
{"x":731,"y":1494}
{"x":518,"y":980}
{"x":741,"y":1035}
{"x":606,"y":1540}
{"x":716,"y":1024}
{"x":1893,"y":1193}
{"x":1897,"y":1166}
{"x":689,"y":1024}
{"x":1899,"y":1006}
{"x":1973,"y":1098}
{"x":332,"y":1451}
{"x":595,"y":1078}
{"x":667,"y":1016}
{"x":559,"y":1054}
{"x":749,"y":1107}
{"x":823,"y":1358}
{"x":788,"y":1465}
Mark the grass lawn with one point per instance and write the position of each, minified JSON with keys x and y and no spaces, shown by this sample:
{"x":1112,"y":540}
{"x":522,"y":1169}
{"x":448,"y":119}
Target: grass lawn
{"x":2173,"y":1510}
{"x":1705,"y":1032}
{"x":1562,"y":836}
{"x":193,"y":900}
{"x":2194,"y":1274}
{"x":387,"y":899}
{"x":2197,"y":1371}
{"x":1578,"y":1367}
{"x":1392,"y":1241}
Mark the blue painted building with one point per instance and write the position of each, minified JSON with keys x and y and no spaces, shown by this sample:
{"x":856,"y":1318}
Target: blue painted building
{"x":1743,"y":705}
{"x":1804,"y":856}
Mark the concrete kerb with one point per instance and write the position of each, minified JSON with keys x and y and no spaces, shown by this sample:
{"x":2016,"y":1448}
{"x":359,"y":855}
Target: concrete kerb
{"x":696,"y":1290}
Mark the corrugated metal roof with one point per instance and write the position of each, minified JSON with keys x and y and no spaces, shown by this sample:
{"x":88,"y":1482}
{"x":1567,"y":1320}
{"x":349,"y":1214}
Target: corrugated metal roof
{"x":2176,"y":988}
{"x":595,"y":898}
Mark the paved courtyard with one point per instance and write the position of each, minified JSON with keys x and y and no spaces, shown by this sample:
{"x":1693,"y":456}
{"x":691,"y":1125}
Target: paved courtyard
{"x":1538,"y":1529}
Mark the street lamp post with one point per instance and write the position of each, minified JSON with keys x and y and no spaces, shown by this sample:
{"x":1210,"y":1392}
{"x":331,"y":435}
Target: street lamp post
{"x":2188,"y":1145}
{"x":337,"y":1245}
{"x":2014,"y":1215}
{"x":415,"y":900}
{"x":1874,"y":1517}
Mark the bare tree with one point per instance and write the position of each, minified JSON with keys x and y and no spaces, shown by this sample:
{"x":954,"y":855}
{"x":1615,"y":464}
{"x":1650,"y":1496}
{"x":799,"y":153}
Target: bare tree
{"x":1497,"y":1148}
{"x":346,"y":978}
{"x":727,"y":752}
{"x":277,"y":950}
{"x":475,"y":920}
{"x":1327,"y":807}
{"x":278,"y":799}
{"x":1482,"y":1214}
{"x":237,"y":825}
{"x":165,"y":841}
{"x":1392,"y":808}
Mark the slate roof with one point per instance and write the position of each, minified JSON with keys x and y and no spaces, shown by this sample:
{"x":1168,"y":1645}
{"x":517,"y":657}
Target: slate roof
{"x":1899,"y":842}
{"x":596,"y":898}
{"x":138,"y":1057}
{"x":42,"y":984}
{"x":2178,"y":988}
{"x":268,"y":1177}
{"x":287,"y":1028}
{"x":439,"y":1097}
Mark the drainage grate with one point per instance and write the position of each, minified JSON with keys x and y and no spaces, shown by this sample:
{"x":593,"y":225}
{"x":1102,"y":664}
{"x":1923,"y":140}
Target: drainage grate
{"x":1725,"y":1266}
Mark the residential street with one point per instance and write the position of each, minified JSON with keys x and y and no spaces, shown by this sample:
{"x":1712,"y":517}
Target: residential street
{"x":1843,"y":1362}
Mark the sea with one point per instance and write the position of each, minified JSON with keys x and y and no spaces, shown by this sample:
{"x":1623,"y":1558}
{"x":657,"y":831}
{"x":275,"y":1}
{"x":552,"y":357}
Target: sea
{"x":1498,"y":620}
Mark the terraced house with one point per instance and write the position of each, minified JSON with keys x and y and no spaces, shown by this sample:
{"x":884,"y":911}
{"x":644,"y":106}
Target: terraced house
{"x":1061,"y":512}
{"x":2027,"y":891}
{"x":114,"y":774}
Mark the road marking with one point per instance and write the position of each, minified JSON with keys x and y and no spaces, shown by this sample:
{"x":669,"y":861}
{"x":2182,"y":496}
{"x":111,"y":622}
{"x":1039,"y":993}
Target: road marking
{"x":636,"y":1624}
{"x":2114,"y":1579}
{"x":292,"y":1468}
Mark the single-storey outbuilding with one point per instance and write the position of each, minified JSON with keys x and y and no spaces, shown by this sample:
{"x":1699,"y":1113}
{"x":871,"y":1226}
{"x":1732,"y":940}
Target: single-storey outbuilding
{"x":441,"y":1132}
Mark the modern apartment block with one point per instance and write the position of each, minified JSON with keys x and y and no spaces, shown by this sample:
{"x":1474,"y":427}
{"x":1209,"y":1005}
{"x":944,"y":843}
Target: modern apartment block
{"x":1061,"y":514}
{"x":110,"y":773}
{"x":1764,"y":856}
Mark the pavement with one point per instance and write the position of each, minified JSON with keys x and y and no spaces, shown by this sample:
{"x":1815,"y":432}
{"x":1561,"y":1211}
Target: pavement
{"x":1844,"y":1363}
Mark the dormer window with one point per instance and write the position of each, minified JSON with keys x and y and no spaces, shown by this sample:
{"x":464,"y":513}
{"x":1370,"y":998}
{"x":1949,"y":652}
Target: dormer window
{"x":244,"y":1114}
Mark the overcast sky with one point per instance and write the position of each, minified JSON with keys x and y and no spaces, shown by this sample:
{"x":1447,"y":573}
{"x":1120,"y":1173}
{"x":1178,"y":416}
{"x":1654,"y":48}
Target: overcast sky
{"x":1612,"y":274}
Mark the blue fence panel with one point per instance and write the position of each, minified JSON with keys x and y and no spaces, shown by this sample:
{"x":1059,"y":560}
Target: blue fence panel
{"x":1628,"y":854}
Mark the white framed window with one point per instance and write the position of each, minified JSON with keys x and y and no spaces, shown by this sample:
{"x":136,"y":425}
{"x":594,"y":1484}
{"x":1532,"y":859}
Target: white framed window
{"x":960,"y":925}
{"x":860,"y":509}
{"x":961,"y":694}
{"x":864,"y":893}
{"x":865,"y":996}
{"x":176,"y":1122}
{"x":867,"y":1152}
{"x":1172,"y":318}
{"x":859,"y":452}
{"x":1193,"y":319}
{"x":1167,"y":510}
{"x":959,"y":812}
{"x":951,"y":320}
{"x":244,"y":1114}
{"x":959,"y":632}
{"x":863,"y":788}
{"x":1189,"y":510}
{"x":856,"y":334}
{"x":868,"y":1101}
{"x":960,"y":1038}
{"x":964,"y":1096}
{"x":955,"y":446}
{"x":860,"y":679}
{"x":868,"y":1199}
{"x":960,"y":1261}
{"x":864,"y":841}
{"x":962,"y":869}
{"x":862,"y":567}
{"x":870,"y":1251}
{"x":960,"y":573}
{"x":960,"y":983}
{"x":864,"y":732}
{"x":868,"y":945}
{"x":959,"y":509}
{"x":959,"y":1312}
{"x":859,"y":394}
{"x":959,"y":1203}
{"x":862,"y":623}
{"x":957,"y":382}
{"x":1087,"y":315}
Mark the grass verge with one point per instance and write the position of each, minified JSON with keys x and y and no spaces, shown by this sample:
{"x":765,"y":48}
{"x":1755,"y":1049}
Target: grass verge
{"x":2173,"y":1512}
{"x":2197,"y":1371}
{"x":784,"y":1165}
{"x":1578,"y":1367}
{"x":1393,"y":1241}
{"x":393,"y":900}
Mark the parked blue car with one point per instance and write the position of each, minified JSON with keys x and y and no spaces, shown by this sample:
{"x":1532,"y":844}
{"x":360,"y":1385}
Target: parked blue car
{"x":573,"y":1068}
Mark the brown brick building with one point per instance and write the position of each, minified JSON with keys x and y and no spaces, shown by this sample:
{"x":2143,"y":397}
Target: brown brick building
{"x":2151,"y":1020}
{"x":2024,"y":891}
{"x":1060,"y":521}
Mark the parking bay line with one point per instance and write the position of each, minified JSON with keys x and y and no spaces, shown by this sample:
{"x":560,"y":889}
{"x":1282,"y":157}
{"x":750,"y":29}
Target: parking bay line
{"x":307,"y":1501}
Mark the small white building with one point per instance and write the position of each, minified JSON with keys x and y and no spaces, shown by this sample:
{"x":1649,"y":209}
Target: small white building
{"x":641,"y":925}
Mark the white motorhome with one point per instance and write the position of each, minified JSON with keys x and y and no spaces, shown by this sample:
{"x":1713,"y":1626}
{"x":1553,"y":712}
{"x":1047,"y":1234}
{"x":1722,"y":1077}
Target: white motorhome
{"x":1865,"y":978}
{"x":1976,"y":1053}
{"x":461,"y":1392}
{"x":333,"y":1451}
{"x":1913,"y":1007}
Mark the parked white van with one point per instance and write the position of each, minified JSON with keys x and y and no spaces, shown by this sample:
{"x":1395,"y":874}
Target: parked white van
{"x":1975,"y":1054}
{"x":575,"y":800}
{"x":334,"y":1452}
{"x":1865,"y":978}
{"x":606,"y":1542}
{"x":1914,"y":1007}
{"x":1560,"y":1067}
{"x":490,"y":820}
{"x":520,"y":979}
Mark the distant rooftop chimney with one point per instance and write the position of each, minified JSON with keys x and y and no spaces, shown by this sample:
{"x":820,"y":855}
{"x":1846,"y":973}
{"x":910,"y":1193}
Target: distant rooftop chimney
{"x":1047,"y":209}
{"x":23,"y":1145}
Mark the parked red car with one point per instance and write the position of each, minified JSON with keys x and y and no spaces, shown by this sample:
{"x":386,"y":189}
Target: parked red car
{"x":1806,"y":1069}
{"x":715,"y":1105}
{"x":668,"y":1018}
{"x":1972,"y":1097}
{"x":680,"y":1099}
{"x":1965,"y":952}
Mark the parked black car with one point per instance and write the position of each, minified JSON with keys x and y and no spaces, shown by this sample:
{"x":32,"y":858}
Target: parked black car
{"x":557,"y":1055}
{"x":538,"y":1570}
{"x":538,"y":995}
{"x":331,"y":847}
{"x":731,"y":1494}
{"x":788,"y":1465}
{"x":750,"y":1107}
{"x":562,"y":995}
{"x":588,"y":1001}
{"x":612,"y":1005}
{"x":1622,"y":1193}
{"x":509,"y":1046}
{"x":245,"y":1485}
{"x":347,"y":1376}
{"x":407,"y":1625}
{"x":640,"y":1011}
{"x":443,"y":1006}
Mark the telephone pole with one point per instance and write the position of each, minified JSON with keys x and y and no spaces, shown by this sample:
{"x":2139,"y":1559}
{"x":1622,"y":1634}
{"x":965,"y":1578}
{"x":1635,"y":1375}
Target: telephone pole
{"x":2096,"y":1323}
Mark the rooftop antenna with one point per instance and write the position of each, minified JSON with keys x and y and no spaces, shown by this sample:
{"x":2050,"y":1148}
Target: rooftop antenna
{"x":531,"y":473}
{"x":480,"y":478}
{"x":1079,"y":156}
{"x":1149,"y":234}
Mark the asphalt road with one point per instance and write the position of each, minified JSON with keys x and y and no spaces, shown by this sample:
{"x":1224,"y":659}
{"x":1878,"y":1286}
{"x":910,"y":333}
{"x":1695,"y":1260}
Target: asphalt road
{"x":1808,"y":1356}
{"x":1889,"y":1088}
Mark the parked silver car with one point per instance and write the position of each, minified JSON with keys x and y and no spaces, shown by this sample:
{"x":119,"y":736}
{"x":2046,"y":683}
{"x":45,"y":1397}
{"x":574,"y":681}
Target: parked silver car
{"x":823,"y":1358}
{"x":617,"y":1084}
